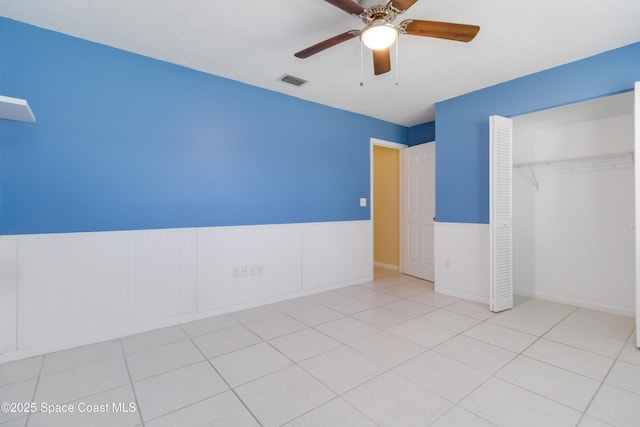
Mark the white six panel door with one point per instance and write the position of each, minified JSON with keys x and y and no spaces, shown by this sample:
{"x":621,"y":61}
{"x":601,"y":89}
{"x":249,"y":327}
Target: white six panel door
{"x":418,"y":210}
{"x":501,"y":214}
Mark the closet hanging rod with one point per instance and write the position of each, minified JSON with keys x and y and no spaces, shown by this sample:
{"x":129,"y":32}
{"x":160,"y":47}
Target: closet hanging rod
{"x":600,"y":157}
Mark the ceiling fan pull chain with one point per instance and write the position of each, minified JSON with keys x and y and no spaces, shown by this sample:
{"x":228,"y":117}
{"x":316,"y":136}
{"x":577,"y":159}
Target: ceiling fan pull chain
{"x":397,"y":65}
{"x":361,"y":64}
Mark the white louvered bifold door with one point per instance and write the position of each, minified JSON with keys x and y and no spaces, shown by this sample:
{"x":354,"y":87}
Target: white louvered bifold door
{"x":501,"y":214}
{"x":636,"y":116}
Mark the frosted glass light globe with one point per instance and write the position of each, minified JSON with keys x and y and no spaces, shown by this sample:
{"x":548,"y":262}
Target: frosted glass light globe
{"x":379,"y":35}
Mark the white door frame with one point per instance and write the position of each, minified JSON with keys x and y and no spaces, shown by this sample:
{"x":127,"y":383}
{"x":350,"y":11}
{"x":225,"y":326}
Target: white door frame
{"x":399,"y":147}
{"x":636,"y":171}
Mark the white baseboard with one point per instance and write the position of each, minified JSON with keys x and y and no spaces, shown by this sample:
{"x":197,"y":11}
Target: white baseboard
{"x":49,"y":348}
{"x":621,"y":311}
{"x":463,"y":295}
{"x":387,"y":266}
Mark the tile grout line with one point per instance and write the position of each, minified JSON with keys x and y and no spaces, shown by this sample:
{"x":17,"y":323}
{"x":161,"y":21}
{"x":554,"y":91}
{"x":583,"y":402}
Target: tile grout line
{"x":489,"y":376}
{"x":206,"y":359}
{"x":222,"y":378}
{"x":133,"y":389}
{"x":494,"y":345}
{"x":69,"y":401}
{"x":336,"y":397}
{"x":558,"y":323}
{"x":92,"y":394}
{"x":153,"y":346}
{"x":456,"y":405}
{"x":538,"y":337}
{"x":122,"y":350}
{"x":392,"y":369}
{"x":348,"y":346}
{"x":298,"y":364}
{"x":521,"y":353}
{"x":35,"y":389}
{"x":604,"y":379}
{"x":183,"y":407}
{"x":82,"y":365}
{"x":493,"y":375}
{"x":480,"y":322}
{"x":342,"y":345}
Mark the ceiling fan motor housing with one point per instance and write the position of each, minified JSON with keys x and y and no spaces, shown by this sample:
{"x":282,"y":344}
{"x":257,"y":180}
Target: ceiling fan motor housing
{"x":375,"y":13}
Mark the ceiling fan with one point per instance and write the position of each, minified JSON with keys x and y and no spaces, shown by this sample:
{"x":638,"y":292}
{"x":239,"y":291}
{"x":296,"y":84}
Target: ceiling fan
{"x":380,"y":32}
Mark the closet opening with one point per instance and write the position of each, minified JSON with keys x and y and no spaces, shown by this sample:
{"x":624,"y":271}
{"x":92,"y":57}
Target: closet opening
{"x":573,"y":204}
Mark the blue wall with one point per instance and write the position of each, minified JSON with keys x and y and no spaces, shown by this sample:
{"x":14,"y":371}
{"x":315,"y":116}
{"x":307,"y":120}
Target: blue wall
{"x":127,"y":142}
{"x":420,"y":134}
{"x":462,"y":158}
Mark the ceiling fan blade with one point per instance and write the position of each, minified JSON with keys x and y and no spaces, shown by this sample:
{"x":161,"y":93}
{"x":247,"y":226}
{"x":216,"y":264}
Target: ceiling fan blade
{"x":326,"y":44}
{"x":381,"y":61}
{"x":403,"y":5}
{"x":441,"y":30}
{"x":348,"y":6}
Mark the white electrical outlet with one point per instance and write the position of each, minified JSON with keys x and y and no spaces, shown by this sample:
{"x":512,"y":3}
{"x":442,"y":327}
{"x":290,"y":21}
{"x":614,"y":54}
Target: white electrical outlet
{"x":247,"y":271}
{"x":363,"y":202}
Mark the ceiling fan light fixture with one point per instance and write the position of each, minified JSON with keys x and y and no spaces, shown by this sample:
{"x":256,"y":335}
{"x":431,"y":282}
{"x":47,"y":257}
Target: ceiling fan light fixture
{"x":379,"y":35}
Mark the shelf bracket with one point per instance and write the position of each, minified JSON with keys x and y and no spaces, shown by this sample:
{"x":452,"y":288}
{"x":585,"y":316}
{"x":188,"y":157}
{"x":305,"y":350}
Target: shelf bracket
{"x":535,"y":180}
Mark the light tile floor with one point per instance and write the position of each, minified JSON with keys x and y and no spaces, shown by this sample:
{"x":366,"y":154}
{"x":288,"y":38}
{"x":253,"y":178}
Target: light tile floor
{"x":390,"y":352}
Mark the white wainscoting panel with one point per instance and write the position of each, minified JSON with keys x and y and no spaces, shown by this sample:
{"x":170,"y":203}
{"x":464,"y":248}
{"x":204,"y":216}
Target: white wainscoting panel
{"x":64,"y":290}
{"x":78,"y":285}
{"x":8,"y":294}
{"x":215,"y":261}
{"x":462,"y":260}
{"x":272,"y":255}
{"x":334,"y":253}
{"x":275,"y":251}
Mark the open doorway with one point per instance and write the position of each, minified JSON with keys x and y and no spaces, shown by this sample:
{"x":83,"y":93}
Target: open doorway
{"x":386,"y":208}
{"x":403,"y":207}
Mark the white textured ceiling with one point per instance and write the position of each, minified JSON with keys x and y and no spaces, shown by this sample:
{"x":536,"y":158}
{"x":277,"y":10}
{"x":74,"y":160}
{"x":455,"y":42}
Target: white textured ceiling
{"x":253,"y":41}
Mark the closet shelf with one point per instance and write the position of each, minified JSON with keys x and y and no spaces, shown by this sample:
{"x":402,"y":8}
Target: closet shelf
{"x":580,"y":164}
{"x":625,"y":155}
